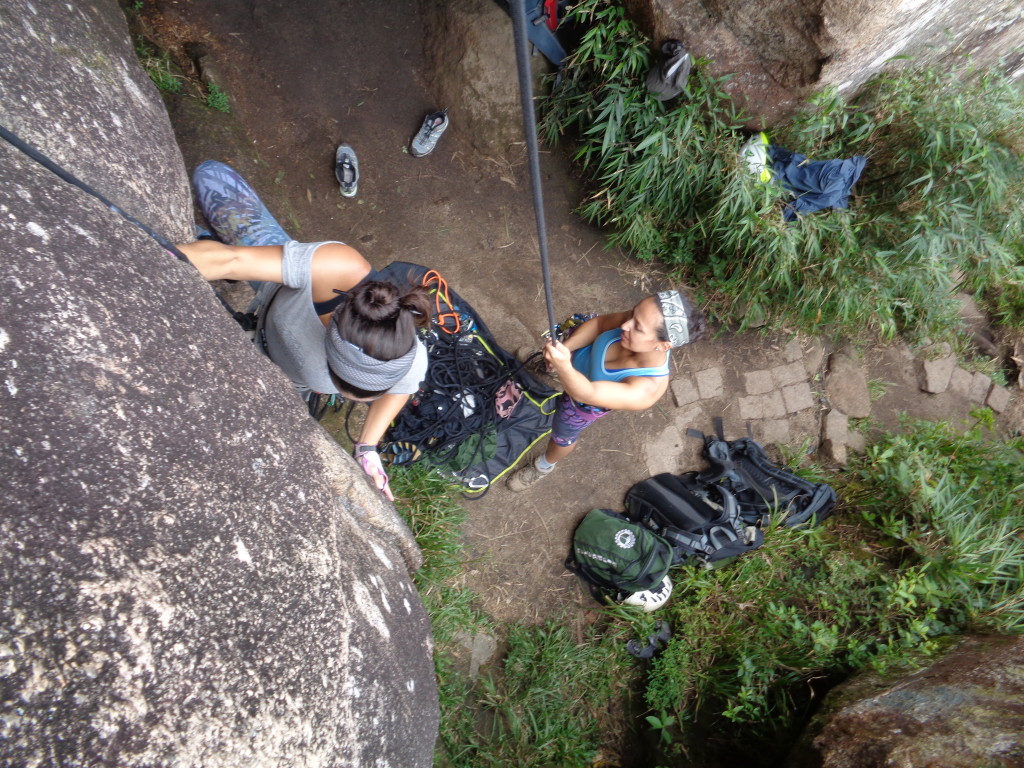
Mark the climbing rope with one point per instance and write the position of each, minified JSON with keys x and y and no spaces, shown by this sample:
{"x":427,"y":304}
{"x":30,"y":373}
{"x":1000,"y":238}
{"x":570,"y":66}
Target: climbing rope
{"x":69,"y":177}
{"x":50,"y":165}
{"x":533,"y":155}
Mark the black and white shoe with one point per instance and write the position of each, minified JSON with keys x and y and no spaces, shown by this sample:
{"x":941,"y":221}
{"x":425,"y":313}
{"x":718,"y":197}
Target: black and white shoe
{"x":346,"y":169}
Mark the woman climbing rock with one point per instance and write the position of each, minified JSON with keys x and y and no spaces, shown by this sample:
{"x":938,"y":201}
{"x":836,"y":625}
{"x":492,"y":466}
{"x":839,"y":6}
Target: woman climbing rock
{"x":324,"y":318}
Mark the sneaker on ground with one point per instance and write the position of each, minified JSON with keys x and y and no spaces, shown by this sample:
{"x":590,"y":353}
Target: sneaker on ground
{"x":525,"y":477}
{"x":434,"y":125}
{"x":346,"y":170}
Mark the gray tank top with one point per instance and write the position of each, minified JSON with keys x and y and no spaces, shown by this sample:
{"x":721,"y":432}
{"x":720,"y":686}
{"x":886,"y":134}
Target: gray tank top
{"x":294,"y":335}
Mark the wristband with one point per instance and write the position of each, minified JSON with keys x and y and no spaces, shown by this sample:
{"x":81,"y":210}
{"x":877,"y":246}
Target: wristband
{"x":359,"y":449}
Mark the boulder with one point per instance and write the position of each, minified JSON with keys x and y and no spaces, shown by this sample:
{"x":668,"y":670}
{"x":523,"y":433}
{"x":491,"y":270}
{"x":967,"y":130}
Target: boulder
{"x":962,"y":711}
{"x":192,"y":572}
{"x":782,"y":50}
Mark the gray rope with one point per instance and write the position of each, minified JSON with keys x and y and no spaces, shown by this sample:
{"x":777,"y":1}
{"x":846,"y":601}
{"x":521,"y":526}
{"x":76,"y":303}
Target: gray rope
{"x":530,"y":129}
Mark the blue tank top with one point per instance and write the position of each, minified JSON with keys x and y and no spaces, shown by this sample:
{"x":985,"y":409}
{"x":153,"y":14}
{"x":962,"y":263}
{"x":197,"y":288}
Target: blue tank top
{"x":589,"y":360}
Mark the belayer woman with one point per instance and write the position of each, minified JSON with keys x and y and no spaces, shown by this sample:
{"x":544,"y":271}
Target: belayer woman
{"x":616,"y":362}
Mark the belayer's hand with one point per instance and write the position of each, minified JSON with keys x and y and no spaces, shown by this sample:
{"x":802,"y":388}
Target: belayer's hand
{"x":556,"y":354}
{"x":369,"y":460}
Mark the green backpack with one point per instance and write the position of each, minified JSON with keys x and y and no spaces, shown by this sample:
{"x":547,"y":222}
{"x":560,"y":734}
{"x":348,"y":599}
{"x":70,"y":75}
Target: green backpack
{"x":616,"y":557}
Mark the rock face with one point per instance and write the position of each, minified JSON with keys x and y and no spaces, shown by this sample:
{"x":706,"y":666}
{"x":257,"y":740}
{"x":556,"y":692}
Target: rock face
{"x":963,"y":711}
{"x":780,"y":50}
{"x":191,"y":571}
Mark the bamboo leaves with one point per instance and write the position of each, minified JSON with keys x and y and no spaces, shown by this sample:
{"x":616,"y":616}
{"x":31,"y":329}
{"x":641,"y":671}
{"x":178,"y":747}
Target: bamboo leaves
{"x":941,"y":195}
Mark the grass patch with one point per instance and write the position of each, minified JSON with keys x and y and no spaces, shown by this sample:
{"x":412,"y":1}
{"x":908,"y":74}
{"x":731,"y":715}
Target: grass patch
{"x":216,"y":98}
{"x":877,"y":388}
{"x":435,"y":517}
{"x":547,"y":703}
{"x":159,"y":67}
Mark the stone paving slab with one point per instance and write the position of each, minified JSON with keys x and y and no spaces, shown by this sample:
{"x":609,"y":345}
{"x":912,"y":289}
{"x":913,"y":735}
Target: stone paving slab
{"x":980,"y":386}
{"x":787,"y":393}
{"x":791,"y":373}
{"x":797,"y":397}
{"x":758,"y":382}
{"x":998,"y":398}
{"x":709,"y":383}
{"x":684,"y":391}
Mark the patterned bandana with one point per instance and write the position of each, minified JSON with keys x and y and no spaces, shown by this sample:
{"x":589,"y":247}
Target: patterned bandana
{"x":355,"y":367}
{"x":672,"y":308}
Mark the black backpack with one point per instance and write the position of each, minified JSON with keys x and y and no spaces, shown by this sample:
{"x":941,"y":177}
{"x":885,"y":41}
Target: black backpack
{"x":702,"y":529}
{"x":761,"y":487}
{"x":615,"y":557}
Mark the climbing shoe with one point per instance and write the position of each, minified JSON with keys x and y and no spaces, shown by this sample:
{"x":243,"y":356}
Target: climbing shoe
{"x":434,"y":125}
{"x":399,"y":453}
{"x":346,"y":170}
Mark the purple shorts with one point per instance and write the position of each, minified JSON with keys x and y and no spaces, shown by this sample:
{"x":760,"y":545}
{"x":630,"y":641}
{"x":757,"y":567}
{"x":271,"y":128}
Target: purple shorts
{"x":571,"y":418}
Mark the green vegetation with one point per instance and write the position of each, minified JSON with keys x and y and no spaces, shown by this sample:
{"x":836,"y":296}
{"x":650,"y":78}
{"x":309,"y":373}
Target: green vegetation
{"x":937,"y":209}
{"x":162,"y":70}
{"x":927,"y":546}
{"x":547,"y":702}
{"x":434,"y":515}
{"x":217,"y":98}
{"x":946,"y":507}
{"x":547,"y":705}
{"x":159,"y":67}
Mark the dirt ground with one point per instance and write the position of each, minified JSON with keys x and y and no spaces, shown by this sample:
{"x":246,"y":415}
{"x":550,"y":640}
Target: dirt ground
{"x":306,"y":75}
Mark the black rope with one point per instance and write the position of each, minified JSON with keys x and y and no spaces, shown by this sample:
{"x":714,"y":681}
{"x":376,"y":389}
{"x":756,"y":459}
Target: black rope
{"x":530,"y":129}
{"x":50,"y":165}
{"x":69,"y":177}
{"x":455,"y":402}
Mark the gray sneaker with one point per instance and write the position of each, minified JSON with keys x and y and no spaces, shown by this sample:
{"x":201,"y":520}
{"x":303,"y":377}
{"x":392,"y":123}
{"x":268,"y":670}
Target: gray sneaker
{"x":346,"y":170}
{"x":434,"y":125}
{"x":525,"y":477}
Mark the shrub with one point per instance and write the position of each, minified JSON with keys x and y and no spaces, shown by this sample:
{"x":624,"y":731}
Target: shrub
{"x":798,"y":608}
{"x":217,"y":98}
{"x":937,"y":209}
{"x":947,"y":504}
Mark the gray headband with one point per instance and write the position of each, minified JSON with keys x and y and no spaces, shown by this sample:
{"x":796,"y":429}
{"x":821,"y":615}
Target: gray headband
{"x":355,"y":367}
{"x":671,"y":303}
